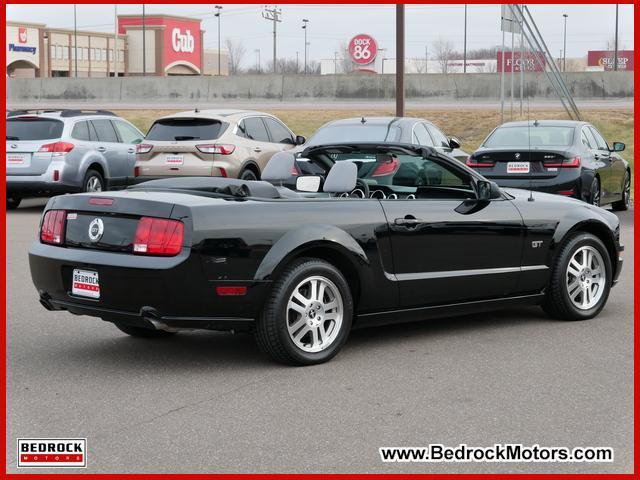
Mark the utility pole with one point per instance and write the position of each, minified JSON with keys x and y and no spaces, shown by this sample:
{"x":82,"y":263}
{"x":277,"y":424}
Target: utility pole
{"x":523,"y":63}
{"x":115,"y":41}
{"x":218,"y":14}
{"x":144,"y":43}
{"x":304,"y":27}
{"x":464,"y":57}
{"x":399,"y":60}
{"x":564,"y":45}
{"x":297,"y":61}
{"x":335,"y":63}
{"x":75,"y":40}
{"x":615,"y":51}
{"x":273,"y":14}
{"x":257,"y":52}
{"x":426,"y":58}
{"x":513,"y":64}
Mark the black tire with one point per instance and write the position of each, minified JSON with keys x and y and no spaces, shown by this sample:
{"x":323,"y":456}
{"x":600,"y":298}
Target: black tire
{"x":595,"y":193}
{"x":557,"y":303}
{"x":91,"y":176}
{"x":623,"y":204}
{"x":13,"y":202}
{"x":248,"y":175}
{"x":272,"y":333}
{"x":141,"y":332}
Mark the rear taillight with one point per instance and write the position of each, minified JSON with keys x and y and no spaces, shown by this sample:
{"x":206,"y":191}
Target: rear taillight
{"x":57,"y":148}
{"x":219,"y":149}
{"x":474,"y":163}
{"x":386,"y":168}
{"x":158,"y":236}
{"x":136,"y":171}
{"x":574,"y":162}
{"x":52,"y":229}
{"x":143,"y":148}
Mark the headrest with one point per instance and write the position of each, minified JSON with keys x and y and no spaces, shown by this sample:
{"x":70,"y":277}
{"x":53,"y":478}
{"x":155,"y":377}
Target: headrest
{"x":341,"y":178}
{"x":279,"y":167}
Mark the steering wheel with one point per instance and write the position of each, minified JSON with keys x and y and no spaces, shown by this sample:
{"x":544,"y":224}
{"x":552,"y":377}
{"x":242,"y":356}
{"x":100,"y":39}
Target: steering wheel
{"x":363,"y":187}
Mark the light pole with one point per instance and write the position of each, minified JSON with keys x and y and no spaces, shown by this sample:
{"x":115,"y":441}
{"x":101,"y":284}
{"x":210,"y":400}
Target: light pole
{"x":75,"y":40}
{"x":144,"y":43}
{"x":335,"y":63}
{"x":297,"y":61}
{"x":217,"y":14}
{"x":304,"y":27}
{"x":464,"y":55}
{"x":258,"y":68}
{"x":564,"y":46}
{"x":615,"y":51}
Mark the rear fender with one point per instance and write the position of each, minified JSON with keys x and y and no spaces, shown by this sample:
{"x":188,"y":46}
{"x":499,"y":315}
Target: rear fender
{"x":295,"y":242}
{"x":90,"y":159}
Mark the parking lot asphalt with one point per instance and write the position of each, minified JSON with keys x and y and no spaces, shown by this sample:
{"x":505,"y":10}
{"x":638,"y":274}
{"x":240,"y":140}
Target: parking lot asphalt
{"x":211,"y":402}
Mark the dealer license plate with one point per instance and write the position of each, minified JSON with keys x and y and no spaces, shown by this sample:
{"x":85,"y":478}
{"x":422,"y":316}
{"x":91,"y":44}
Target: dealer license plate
{"x":518,"y":167}
{"x":85,"y":283}
{"x":174,"y":159}
{"x":14,"y":159}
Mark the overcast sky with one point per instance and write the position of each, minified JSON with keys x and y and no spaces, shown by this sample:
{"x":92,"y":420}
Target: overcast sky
{"x":588,"y":26}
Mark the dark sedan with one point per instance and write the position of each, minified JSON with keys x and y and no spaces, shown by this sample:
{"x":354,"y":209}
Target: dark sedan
{"x":564,"y":157}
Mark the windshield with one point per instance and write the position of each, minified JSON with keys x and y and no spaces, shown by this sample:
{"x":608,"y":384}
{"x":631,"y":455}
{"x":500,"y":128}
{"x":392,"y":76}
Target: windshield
{"x":540,"y":136}
{"x":185,"y":129}
{"x":333,"y":134}
{"x":33,"y":129}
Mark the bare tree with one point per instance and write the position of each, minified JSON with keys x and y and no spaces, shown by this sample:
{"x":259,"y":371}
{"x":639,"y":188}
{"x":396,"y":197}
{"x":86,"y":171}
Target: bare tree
{"x":444,"y":52}
{"x":611,"y":45}
{"x":344,"y":64}
{"x":236,"y":54}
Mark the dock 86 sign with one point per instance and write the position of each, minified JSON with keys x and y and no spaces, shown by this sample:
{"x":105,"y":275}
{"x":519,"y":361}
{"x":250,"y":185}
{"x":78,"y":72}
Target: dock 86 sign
{"x":363,"y":49}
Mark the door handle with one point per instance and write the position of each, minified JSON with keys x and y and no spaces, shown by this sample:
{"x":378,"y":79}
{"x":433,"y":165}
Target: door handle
{"x":407,"y":221}
{"x":131,"y":150}
{"x":102,"y":149}
{"x":257,"y":150}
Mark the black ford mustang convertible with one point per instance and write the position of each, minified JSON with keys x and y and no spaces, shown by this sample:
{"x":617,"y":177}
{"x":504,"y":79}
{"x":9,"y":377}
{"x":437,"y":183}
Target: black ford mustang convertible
{"x":299,"y":269}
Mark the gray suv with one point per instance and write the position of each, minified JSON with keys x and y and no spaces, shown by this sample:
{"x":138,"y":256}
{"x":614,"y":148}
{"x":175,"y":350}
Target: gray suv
{"x":60,"y":151}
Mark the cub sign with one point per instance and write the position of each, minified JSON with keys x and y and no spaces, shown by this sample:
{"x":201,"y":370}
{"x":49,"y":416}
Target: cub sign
{"x":182,"y":42}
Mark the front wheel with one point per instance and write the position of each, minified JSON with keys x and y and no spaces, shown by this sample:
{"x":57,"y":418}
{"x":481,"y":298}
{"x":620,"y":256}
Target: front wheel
{"x":580,"y":279}
{"x":623,"y":203}
{"x":307,"y":317}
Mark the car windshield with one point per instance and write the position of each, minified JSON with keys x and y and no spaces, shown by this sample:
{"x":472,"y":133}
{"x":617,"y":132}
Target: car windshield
{"x":535,"y":136}
{"x":185,"y":129}
{"x":33,"y":129}
{"x":355,"y":133}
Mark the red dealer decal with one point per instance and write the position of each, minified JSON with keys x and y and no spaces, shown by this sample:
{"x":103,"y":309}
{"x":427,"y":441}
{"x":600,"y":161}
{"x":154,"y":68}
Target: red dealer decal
{"x":363,"y":49}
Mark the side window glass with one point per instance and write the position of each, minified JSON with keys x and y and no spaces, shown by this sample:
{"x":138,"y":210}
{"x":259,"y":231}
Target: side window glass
{"x":585,"y":139}
{"x":279,"y":133}
{"x":439,"y":138}
{"x":256,"y":130}
{"x":81,"y":131}
{"x":127,"y":133}
{"x":602,"y":144}
{"x":242,"y":130}
{"x":105,"y":131}
{"x":422,"y":137}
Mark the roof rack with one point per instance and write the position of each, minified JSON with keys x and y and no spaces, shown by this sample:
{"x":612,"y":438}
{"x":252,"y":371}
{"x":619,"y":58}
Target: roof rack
{"x":15,"y":113}
{"x":64,"y":112}
{"x":77,"y":113}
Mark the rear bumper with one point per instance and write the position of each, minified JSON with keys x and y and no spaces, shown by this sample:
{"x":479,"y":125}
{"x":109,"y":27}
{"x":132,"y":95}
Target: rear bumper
{"x":37,"y":185}
{"x":151,"y":292}
{"x":618,"y":266}
{"x":569,"y":185}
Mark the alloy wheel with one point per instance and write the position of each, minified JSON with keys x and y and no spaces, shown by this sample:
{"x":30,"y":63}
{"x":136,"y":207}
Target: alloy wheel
{"x":314,"y":314}
{"x":585,"y":277}
{"x":94,"y":185}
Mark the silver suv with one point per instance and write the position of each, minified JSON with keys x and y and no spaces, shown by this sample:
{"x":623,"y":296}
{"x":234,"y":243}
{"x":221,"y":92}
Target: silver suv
{"x":60,"y":151}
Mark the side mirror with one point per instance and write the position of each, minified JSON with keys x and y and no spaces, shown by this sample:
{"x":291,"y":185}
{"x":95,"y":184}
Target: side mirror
{"x":454,"y":142}
{"x":308,"y":183}
{"x":618,"y":147}
{"x":300,"y":140}
{"x":487,"y":190}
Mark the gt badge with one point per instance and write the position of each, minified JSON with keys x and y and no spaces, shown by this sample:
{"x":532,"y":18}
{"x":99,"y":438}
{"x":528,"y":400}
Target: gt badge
{"x":96,"y":229}
{"x":536,"y":244}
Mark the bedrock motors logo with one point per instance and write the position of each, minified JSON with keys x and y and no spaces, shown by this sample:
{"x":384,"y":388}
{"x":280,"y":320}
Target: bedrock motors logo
{"x":52,"y":452}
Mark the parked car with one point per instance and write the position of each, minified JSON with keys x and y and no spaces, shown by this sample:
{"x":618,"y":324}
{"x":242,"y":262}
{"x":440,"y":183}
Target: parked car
{"x":218,"y":143}
{"x":59,"y":151}
{"x":388,"y":129}
{"x":557,"y":156}
{"x":299,"y":269}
